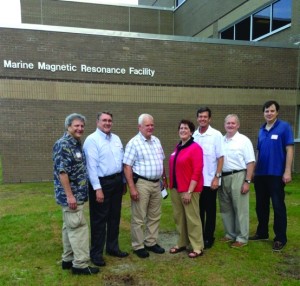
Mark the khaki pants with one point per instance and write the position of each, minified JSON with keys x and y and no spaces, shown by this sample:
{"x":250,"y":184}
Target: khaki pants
{"x":75,"y":237}
{"x":234,"y":207}
{"x":145,"y":214}
{"x":187,"y":220}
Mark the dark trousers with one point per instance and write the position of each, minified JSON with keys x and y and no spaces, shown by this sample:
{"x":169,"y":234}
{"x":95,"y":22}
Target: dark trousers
{"x":105,"y":217}
{"x":266,"y":188}
{"x":208,"y":208}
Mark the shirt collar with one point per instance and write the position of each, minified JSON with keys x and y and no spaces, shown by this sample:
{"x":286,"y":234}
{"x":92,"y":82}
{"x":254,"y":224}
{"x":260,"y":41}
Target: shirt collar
{"x":144,"y":138}
{"x":103,"y":135}
{"x":274,"y":125}
{"x":207,"y":132}
{"x":71,"y":139}
{"x":232,"y":138}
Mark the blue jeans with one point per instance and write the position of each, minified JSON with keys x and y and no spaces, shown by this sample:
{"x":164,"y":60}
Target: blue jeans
{"x":267,"y":187}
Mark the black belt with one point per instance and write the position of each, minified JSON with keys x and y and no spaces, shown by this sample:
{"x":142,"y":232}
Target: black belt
{"x":144,"y":178}
{"x":110,"y":177}
{"x":231,"y":172}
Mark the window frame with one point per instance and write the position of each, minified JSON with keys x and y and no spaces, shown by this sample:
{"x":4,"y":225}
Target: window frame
{"x":251,"y":16}
{"x":177,"y":5}
{"x":297,"y":129}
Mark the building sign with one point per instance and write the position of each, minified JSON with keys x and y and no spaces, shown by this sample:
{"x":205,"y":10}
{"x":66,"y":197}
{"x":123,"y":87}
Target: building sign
{"x":82,"y":68}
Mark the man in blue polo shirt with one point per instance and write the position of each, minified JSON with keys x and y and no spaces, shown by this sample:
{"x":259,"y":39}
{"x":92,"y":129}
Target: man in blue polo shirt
{"x":273,"y":171}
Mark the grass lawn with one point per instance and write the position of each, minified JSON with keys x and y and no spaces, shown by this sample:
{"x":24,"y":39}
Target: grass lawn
{"x":30,"y":248}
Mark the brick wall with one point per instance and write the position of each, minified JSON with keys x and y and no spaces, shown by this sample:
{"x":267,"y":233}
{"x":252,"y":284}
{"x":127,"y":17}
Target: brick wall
{"x":176,"y":62}
{"x":34,"y":104}
{"x":32,"y":120}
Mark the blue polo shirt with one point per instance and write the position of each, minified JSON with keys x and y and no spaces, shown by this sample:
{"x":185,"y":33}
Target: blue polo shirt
{"x":272,"y":148}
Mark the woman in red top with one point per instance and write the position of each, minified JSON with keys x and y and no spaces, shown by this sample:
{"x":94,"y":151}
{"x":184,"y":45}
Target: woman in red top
{"x":186,"y":182}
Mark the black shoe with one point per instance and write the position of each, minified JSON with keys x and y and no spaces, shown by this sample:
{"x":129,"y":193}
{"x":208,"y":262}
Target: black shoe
{"x":66,"y":265}
{"x":156,"y":249}
{"x":208,"y":243}
{"x":141,"y":253}
{"x":118,"y":253}
{"x":278,"y":245}
{"x":99,"y":262}
{"x":85,"y":271}
{"x":257,"y":237}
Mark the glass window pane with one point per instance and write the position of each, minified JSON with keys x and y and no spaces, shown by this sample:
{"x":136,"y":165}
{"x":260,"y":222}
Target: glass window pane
{"x":228,"y":34}
{"x":242,"y":30}
{"x":282,"y":13}
{"x":179,"y":2}
{"x":261,"y":22}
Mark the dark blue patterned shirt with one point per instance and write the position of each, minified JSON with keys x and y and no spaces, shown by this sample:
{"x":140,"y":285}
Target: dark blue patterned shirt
{"x":69,"y":158}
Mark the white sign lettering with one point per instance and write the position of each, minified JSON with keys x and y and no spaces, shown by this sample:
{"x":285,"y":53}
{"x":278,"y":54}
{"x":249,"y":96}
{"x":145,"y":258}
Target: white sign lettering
{"x":143,"y":71}
{"x":54,"y":68}
{"x":17,"y":65}
{"x":69,"y":67}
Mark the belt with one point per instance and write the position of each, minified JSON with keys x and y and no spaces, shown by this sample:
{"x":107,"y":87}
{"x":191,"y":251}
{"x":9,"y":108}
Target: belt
{"x":231,"y":172}
{"x":110,"y":177}
{"x":144,"y":178}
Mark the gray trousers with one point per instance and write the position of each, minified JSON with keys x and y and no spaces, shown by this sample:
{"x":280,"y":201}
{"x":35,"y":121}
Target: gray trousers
{"x":234,"y":207}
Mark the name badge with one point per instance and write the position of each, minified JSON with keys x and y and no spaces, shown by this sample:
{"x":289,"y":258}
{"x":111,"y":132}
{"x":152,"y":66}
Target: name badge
{"x":274,"y":136}
{"x":78,"y":155}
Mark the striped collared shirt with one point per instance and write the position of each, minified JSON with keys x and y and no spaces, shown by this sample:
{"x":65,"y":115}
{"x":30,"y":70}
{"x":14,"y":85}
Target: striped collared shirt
{"x":145,"y":156}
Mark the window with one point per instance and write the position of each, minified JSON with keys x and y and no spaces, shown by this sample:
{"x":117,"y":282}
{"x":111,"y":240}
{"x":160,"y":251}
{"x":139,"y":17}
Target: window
{"x":271,"y":19}
{"x":297,"y":132}
{"x":242,"y":30}
{"x":228,"y":34}
{"x":179,"y":2}
{"x":261,"y":23}
{"x":282,"y":13}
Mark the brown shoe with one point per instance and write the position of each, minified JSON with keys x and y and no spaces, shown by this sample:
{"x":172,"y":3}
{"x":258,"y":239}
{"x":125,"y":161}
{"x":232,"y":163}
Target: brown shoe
{"x":238,"y":244}
{"x":226,"y":239}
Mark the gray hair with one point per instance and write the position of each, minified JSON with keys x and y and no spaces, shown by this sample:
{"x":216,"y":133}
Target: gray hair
{"x":70,"y":118}
{"x":232,"y":115}
{"x":143,"y":116}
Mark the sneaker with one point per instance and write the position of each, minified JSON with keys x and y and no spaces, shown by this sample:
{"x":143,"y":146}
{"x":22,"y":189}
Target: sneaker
{"x":141,"y":253}
{"x":156,"y":249}
{"x":226,"y":239}
{"x":238,"y":244}
{"x":85,"y":271}
{"x":278,"y":245}
{"x":257,"y":237}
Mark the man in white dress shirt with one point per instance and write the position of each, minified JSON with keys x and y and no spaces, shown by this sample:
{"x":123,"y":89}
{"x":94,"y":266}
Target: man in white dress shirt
{"x":210,"y":140}
{"x":104,"y":155}
{"x":237,"y":172}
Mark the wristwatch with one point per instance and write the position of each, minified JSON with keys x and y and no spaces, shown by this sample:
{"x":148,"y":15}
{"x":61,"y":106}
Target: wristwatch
{"x":189,"y":192}
{"x":218,"y":175}
{"x":248,"y":181}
